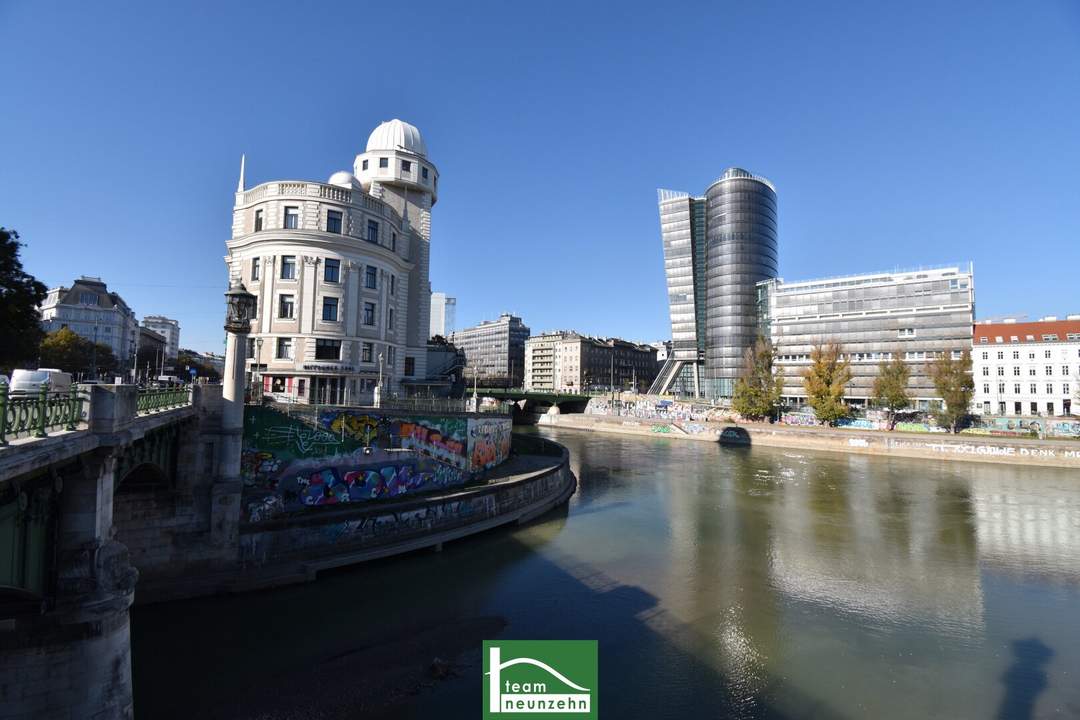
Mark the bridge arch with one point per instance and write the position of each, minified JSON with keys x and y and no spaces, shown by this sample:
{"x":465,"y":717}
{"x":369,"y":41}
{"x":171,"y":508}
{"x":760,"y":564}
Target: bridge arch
{"x":143,"y":475}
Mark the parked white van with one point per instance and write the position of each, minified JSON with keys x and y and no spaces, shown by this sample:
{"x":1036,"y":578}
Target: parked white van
{"x":29,"y":381}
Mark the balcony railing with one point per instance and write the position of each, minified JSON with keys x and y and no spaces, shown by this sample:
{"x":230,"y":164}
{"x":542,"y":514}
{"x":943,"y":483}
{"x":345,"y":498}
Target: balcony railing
{"x":35,"y":415}
{"x":155,"y":400}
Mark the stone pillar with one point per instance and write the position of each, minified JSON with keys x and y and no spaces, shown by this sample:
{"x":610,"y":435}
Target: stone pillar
{"x":74,"y":659}
{"x":225,"y":493}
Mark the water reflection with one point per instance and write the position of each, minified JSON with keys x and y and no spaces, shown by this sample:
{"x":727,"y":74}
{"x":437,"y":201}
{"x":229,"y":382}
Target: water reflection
{"x":731,"y":582}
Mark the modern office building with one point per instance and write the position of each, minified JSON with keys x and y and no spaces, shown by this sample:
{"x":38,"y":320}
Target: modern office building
{"x":494,"y":351}
{"x":443,"y":314}
{"x":167,"y":328}
{"x":340,"y":270}
{"x":1027,"y":368}
{"x":565,"y":361}
{"x":717,"y":247}
{"x":91,"y":311}
{"x":918,"y":314}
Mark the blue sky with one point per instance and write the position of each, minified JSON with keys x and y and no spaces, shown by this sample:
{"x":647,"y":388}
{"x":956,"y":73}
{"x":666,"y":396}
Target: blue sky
{"x":897,"y":134}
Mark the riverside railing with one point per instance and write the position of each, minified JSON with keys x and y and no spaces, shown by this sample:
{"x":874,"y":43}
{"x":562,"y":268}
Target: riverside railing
{"x":34,"y":415}
{"x":444,"y":405}
{"x":156,"y":399}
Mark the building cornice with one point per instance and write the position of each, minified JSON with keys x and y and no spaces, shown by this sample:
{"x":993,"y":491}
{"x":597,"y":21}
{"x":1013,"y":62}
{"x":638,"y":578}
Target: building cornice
{"x":312,"y":239}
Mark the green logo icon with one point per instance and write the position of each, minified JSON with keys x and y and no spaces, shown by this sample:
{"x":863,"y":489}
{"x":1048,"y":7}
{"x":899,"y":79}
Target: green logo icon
{"x":545,"y":678}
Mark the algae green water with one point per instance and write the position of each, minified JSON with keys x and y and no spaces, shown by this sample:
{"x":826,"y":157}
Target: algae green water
{"x":719,"y":583}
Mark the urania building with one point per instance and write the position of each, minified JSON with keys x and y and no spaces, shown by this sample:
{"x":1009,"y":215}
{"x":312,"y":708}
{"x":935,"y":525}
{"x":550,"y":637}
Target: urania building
{"x":340,"y":272}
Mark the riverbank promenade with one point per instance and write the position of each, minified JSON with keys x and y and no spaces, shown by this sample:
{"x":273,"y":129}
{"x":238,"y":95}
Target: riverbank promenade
{"x":938,"y":446}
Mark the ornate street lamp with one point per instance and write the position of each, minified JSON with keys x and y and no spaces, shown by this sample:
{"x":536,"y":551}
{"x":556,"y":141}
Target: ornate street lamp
{"x":240,"y":309}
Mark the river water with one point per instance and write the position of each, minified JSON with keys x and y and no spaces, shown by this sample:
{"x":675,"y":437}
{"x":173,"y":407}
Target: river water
{"x":719,"y":582}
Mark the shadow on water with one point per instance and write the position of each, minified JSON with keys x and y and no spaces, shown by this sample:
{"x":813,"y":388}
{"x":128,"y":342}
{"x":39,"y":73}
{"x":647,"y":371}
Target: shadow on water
{"x":1025,"y":679}
{"x":360,"y":642}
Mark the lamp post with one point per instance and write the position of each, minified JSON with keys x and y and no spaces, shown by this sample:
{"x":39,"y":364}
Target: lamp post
{"x":257,"y":370}
{"x":377,"y":399}
{"x":240,"y":312}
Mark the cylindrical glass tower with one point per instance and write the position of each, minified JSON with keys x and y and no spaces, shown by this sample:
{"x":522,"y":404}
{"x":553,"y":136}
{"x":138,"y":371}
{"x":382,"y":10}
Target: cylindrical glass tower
{"x":741,"y":235}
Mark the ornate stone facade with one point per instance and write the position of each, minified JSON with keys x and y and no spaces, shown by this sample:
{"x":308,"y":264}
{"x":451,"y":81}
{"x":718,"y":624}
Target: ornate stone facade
{"x":340,"y":270}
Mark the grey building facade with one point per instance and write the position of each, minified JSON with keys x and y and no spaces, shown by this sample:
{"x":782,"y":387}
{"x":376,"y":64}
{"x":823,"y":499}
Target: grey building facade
{"x":917,"y":314}
{"x":494,"y":351}
{"x":716,"y":249}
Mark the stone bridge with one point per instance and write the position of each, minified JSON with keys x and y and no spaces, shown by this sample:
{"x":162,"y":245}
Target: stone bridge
{"x":533,"y":402}
{"x":133,"y":484}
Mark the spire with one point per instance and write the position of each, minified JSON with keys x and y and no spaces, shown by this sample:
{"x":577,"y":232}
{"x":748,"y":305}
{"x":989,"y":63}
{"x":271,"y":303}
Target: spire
{"x":240,"y":184}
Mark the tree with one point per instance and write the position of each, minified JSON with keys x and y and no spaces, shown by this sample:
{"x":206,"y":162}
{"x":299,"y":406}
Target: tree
{"x":954,"y":383}
{"x":757,"y":391}
{"x":825,"y":380}
{"x":890,"y":386}
{"x":186,"y":359}
{"x":20,"y":296}
{"x":66,"y":350}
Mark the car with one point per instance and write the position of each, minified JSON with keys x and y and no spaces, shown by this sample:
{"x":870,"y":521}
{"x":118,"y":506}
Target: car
{"x":26,"y":382}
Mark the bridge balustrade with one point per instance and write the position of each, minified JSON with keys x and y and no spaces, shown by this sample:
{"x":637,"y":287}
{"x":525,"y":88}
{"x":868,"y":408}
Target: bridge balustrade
{"x":35,"y":415}
{"x":155,"y":399}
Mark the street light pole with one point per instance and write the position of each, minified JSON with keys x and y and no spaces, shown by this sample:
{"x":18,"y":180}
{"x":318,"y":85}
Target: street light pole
{"x":226,"y":491}
{"x":257,"y":370}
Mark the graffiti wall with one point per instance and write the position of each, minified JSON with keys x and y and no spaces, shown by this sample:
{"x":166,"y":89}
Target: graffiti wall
{"x":1025,"y":427}
{"x":293,"y":462}
{"x":489,"y":442}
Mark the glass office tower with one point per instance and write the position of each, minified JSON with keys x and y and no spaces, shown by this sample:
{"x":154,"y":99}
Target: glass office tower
{"x":716,"y":249}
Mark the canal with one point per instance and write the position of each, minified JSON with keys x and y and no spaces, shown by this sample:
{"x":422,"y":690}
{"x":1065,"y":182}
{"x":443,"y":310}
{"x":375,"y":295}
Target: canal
{"x":719,"y":582}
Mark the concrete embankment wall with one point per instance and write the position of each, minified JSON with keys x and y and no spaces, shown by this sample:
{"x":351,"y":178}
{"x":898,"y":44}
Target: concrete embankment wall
{"x":938,"y":446}
{"x":294,"y":549}
{"x":689,"y":430}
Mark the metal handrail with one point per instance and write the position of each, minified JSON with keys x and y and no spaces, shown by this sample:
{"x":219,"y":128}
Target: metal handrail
{"x":156,"y":399}
{"x":35,"y":415}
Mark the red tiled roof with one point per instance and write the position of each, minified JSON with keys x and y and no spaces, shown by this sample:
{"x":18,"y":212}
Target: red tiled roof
{"x":1006,"y":331}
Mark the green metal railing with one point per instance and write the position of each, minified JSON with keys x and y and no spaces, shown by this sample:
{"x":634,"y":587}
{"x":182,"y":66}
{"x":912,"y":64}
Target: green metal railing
{"x":154,"y":399}
{"x":35,"y":415}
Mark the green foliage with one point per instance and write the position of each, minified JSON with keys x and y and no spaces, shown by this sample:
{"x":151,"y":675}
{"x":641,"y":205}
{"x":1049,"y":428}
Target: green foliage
{"x":66,"y":350}
{"x":189,"y":359}
{"x":825,"y":381}
{"x":757,"y":392}
{"x":890,"y":386}
{"x":20,"y":296}
{"x":954,"y":383}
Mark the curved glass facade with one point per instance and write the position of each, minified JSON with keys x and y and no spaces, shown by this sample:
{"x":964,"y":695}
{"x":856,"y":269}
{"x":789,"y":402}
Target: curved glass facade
{"x":741,"y":234}
{"x":716,"y":249}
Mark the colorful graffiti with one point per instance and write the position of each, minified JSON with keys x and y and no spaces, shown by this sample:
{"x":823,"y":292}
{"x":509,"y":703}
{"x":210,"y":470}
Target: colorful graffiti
{"x":801,"y":419}
{"x":1025,"y":427}
{"x":861,"y":424}
{"x":302,"y":460}
{"x":489,"y":442}
{"x":333,"y":485}
{"x":371,"y":430}
{"x":444,"y":439}
{"x":650,"y":408}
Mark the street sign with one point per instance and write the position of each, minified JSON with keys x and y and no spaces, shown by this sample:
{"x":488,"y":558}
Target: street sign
{"x":192,"y":371}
